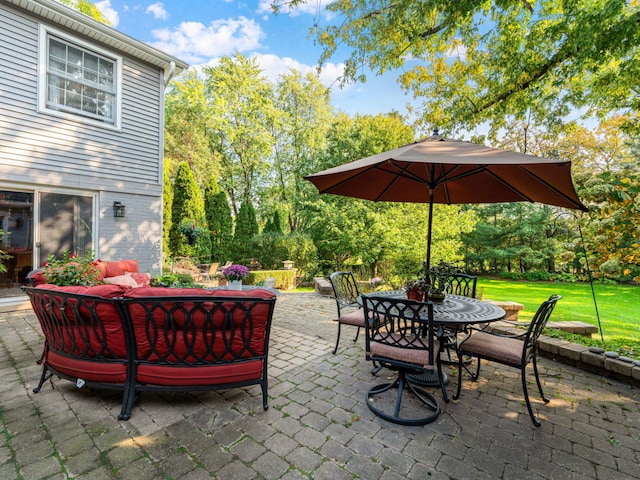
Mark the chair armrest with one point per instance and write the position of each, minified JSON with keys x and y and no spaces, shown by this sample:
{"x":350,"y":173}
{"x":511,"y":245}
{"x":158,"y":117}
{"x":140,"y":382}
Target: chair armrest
{"x":503,"y":335}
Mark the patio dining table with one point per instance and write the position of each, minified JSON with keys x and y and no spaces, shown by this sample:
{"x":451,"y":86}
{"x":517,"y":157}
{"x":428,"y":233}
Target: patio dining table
{"x":455,"y":310}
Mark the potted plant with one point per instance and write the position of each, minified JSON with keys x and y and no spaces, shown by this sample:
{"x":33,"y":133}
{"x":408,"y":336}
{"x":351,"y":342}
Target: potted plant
{"x":438,"y":279}
{"x":72,"y":269}
{"x":192,"y":230}
{"x":416,"y":289}
{"x":234,"y":275}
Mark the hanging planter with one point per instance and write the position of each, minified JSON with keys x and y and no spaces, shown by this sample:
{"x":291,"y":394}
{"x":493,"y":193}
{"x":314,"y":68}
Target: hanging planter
{"x":192,"y":230}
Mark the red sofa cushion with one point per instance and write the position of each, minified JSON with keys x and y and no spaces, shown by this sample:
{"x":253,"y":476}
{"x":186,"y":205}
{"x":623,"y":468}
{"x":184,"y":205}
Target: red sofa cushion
{"x":200,"y":375}
{"x":220,"y":337}
{"x":99,"y":371}
{"x":72,"y":336}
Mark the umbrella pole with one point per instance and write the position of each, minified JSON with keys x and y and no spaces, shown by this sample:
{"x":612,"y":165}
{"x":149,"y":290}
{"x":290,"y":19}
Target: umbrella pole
{"x":427,"y":265}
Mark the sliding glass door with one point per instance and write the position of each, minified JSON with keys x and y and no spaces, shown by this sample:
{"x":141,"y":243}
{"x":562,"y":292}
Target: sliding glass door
{"x":65,"y":224}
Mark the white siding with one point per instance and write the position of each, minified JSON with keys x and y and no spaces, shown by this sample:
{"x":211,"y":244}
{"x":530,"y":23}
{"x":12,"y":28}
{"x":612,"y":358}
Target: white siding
{"x":39,"y":148}
{"x":137,"y":235}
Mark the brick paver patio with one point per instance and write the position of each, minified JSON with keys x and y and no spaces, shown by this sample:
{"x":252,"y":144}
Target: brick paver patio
{"x":317,"y":427}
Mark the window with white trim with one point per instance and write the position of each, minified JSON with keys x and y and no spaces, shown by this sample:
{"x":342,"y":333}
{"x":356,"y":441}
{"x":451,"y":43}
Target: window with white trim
{"x":81,"y":81}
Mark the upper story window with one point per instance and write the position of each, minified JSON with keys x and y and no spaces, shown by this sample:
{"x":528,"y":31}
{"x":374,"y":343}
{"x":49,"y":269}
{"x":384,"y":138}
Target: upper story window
{"x":79,"y":80}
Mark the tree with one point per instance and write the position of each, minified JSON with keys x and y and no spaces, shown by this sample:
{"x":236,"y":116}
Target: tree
{"x":187,"y":128}
{"x":187,"y":209}
{"x":472,"y":62}
{"x":218,"y":215}
{"x":300,"y":137}
{"x":511,"y":237}
{"x":245,"y":229}
{"x":88,"y":8}
{"x":242,"y":116}
{"x":274,"y":224}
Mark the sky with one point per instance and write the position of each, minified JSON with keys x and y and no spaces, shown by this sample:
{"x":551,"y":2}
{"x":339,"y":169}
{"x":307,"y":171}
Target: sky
{"x":199,"y":32}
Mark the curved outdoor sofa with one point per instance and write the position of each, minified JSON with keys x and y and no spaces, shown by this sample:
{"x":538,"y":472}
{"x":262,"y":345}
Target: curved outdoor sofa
{"x":154,"y":338}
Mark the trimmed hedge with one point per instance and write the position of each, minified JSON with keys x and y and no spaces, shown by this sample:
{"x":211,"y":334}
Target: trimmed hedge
{"x":285,"y":279}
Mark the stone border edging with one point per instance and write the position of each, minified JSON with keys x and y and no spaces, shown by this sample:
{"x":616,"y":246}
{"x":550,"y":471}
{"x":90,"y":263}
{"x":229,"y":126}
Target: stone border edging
{"x":590,"y":359}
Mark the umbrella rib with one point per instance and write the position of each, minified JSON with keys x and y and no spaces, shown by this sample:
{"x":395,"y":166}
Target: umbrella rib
{"x":349,"y":179}
{"x":402,"y":174}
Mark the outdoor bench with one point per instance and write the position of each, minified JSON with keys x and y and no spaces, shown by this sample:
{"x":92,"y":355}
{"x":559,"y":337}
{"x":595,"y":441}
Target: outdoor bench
{"x":154,"y":338}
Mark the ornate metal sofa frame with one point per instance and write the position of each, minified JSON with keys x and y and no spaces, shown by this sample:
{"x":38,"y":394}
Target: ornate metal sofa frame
{"x":153,"y":338}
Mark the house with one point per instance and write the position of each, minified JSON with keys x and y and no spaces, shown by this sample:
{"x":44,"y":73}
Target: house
{"x":81,"y":139}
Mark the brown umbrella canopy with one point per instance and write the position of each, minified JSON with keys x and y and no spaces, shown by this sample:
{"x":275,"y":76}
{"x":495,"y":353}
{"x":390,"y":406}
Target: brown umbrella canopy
{"x":440,"y":170}
{"x":456,"y":172}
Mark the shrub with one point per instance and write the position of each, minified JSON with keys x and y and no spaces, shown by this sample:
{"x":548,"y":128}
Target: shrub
{"x":175,"y":280}
{"x":510,"y":276}
{"x":285,"y":279}
{"x":536,"y":276}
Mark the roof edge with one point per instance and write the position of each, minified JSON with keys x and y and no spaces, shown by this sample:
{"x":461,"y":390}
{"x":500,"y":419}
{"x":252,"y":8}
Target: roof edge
{"x":77,"y":22}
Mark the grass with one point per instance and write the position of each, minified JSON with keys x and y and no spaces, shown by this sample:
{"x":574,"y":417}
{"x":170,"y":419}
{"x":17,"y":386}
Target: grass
{"x":617,"y":306}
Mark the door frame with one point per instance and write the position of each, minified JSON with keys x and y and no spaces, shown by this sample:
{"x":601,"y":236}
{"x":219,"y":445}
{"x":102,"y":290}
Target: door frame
{"x":63,"y":191}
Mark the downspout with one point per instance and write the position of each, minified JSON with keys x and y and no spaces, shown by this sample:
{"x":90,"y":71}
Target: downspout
{"x":169,"y":74}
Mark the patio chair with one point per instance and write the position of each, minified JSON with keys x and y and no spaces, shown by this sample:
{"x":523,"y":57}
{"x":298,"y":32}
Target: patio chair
{"x":346,"y":293}
{"x":512,"y":350}
{"x":456,"y":284}
{"x":208,"y":271}
{"x":404,"y":341}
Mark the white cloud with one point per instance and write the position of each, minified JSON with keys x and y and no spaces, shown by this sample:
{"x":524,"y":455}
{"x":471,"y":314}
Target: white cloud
{"x":108,"y":12}
{"x":157,"y":10}
{"x":195,"y":42}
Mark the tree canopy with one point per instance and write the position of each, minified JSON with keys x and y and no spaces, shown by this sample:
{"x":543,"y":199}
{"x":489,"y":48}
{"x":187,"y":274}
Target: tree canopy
{"x":472,"y":62}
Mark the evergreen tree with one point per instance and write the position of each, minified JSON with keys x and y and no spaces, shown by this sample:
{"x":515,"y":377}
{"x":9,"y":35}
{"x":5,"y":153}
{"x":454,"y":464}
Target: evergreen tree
{"x":246,"y":229}
{"x":187,"y":208}
{"x":218,"y":215}
{"x":274,"y":224}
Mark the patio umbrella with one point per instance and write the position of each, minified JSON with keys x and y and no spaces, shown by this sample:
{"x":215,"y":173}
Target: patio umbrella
{"x":442,"y":170}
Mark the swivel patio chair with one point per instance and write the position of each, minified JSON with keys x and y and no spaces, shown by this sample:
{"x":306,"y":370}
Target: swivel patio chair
{"x":346,"y":293}
{"x":512,"y":350}
{"x":400,"y":336}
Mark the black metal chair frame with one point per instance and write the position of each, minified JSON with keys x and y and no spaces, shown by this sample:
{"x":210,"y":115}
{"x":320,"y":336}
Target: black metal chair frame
{"x":346,"y":293}
{"x":394,"y":324}
{"x":529,"y":341}
{"x":457,"y":284}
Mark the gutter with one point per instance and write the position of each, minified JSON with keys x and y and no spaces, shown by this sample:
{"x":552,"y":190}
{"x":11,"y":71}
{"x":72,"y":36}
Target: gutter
{"x":74,"y":21}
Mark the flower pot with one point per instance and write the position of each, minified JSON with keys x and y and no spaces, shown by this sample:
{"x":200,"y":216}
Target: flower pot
{"x":437,"y":297}
{"x":415,"y":295}
{"x":234,"y":285}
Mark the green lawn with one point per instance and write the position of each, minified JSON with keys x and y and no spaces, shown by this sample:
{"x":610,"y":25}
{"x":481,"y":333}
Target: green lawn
{"x":618,"y":305}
